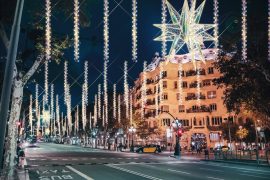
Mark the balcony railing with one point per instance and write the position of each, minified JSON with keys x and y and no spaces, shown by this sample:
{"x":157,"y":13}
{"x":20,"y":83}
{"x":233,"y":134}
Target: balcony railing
{"x":194,"y":97}
{"x":199,"y":110}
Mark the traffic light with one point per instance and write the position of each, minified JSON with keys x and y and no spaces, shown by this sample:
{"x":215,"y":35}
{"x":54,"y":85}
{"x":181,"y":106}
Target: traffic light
{"x":179,"y":132}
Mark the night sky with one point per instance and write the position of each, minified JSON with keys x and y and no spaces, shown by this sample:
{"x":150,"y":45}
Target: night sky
{"x":91,"y":37}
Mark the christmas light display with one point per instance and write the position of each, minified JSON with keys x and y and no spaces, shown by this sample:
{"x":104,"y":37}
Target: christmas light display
{"x":269,"y":30}
{"x":216,"y":15}
{"x":95,"y":112}
{"x":48,"y":30}
{"x":160,"y":82}
{"x":131,"y":110}
{"x":185,"y":29}
{"x":163,"y":27}
{"x":76,"y":30}
{"x":134,"y":30}
{"x":180,"y":82}
{"x":99,"y":101}
{"x":105,"y":88}
{"x":103,"y":116}
{"x":76,"y":124}
{"x":85,"y":94}
{"x":57,"y":113}
{"x":90,"y":121}
{"x":143,"y":95}
{"x":244,"y":30}
{"x":114,"y":101}
{"x":31,"y":115}
{"x":67,"y":98}
{"x":156,"y":100}
{"x":52,"y":100}
{"x":37,"y":107}
{"x":126,"y":96}
{"x":46,"y":86}
{"x":106,"y":30}
{"x":119,"y":109}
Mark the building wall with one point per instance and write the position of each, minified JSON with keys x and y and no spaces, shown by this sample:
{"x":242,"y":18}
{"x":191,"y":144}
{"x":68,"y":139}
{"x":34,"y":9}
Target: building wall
{"x":204,"y":120}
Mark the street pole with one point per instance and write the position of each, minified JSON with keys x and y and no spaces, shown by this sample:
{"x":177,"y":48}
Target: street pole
{"x":8,"y":77}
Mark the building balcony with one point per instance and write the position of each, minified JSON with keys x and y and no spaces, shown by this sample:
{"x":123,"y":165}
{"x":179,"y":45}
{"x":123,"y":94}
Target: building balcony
{"x":202,"y":109}
{"x":194,"y":97}
{"x":194,"y":73}
{"x":194,"y":85}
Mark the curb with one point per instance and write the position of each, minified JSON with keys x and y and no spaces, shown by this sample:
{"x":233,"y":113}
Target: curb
{"x":237,"y":162}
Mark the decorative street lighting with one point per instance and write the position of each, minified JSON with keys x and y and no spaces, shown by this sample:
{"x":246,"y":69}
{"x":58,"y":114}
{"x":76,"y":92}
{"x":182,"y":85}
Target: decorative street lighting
{"x":132,"y":130}
{"x":177,"y":125}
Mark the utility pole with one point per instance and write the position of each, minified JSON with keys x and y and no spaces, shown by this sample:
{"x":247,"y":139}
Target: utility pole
{"x":8,"y":77}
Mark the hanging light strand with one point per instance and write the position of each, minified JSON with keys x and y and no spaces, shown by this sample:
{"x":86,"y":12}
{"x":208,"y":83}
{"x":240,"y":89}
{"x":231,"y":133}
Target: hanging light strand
{"x":119,"y":109}
{"x":163,"y":29}
{"x":52,"y":100}
{"x":99,"y":101}
{"x":95,"y":112}
{"x":134,"y":30}
{"x":156,"y":100}
{"x":57,"y":113}
{"x":37,"y":107}
{"x":216,"y":16}
{"x":198,"y":78}
{"x":105,"y":86}
{"x":126,"y":96}
{"x":244,"y":30}
{"x":143,"y":89}
{"x":76,"y":30}
{"x":180,"y":83}
{"x":48,"y":30}
{"x":160,"y":82}
{"x":114,"y":101}
{"x":46,"y":81}
{"x":86,"y":81}
{"x":131,"y":110}
{"x":106,"y":30}
{"x":31,"y":114}
{"x":269,"y":30}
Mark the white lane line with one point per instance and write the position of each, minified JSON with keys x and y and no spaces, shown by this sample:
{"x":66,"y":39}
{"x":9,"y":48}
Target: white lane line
{"x":254,"y":176}
{"x":64,"y":159}
{"x":214,"y":178}
{"x":32,"y":159}
{"x":79,"y":173}
{"x":74,"y":159}
{"x":133,"y":172}
{"x":43,"y":159}
{"x":211,"y":170}
{"x":178,"y":171}
{"x":54,"y":159}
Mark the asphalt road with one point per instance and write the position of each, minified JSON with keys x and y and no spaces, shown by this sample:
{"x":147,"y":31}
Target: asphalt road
{"x":54,"y":162}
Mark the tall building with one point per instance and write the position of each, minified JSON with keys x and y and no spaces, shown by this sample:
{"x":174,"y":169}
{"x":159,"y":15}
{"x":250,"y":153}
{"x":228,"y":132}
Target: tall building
{"x":202,"y":110}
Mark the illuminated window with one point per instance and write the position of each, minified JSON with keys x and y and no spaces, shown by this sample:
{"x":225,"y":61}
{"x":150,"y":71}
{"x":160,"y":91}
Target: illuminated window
{"x":211,"y":94}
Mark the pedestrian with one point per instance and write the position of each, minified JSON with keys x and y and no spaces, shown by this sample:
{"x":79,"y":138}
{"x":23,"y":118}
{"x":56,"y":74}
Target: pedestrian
{"x":206,"y":153}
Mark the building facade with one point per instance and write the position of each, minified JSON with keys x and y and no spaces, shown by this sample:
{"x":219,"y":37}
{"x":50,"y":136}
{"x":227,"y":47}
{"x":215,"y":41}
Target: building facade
{"x":197,"y":103}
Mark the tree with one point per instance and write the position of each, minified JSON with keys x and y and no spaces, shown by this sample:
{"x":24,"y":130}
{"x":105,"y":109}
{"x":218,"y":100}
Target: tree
{"x":225,"y":131}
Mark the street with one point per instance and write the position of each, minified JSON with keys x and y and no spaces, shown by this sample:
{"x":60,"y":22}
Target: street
{"x":54,"y":161}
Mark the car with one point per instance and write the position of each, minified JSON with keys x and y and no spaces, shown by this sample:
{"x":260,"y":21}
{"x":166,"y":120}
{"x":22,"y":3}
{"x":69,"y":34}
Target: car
{"x":222,"y":148}
{"x":149,"y":149}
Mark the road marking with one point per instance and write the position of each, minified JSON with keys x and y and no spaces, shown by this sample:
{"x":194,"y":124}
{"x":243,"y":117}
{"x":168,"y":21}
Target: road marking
{"x":74,"y":159}
{"x":211,"y":170}
{"x":133,"y":172}
{"x":32,"y":159}
{"x":64,"y":159}
{"x":255,"y":176}
{"x":43,"y":159}
{"x":214,"y":178}
{"x":79,"y":173}
{"x":178,"y":171}
{"x":54,"y":159}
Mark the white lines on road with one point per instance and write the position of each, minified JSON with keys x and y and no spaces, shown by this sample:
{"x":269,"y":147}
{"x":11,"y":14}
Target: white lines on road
{"x":182,"y":172}
{"x":54,"y":159}
{"x":64,"y":159}
{"x":74,"y":159}
{"x":211,"y":170}
{"x":214,"y":178}
{"x":133,"y":172}
{"x":43,"y":159}
{"x":79,"y":173}
{"x":254,"y":176}
{"x":32,"y":159}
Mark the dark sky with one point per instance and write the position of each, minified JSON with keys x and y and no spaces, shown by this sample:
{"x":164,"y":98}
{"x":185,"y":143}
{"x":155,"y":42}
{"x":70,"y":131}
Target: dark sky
{"x":91,"y":37}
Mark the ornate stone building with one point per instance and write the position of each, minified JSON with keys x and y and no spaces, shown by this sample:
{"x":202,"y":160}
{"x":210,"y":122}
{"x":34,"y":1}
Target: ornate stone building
{"x":200,"y":109}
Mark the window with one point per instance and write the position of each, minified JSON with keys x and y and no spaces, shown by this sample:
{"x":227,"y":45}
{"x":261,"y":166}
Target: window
{"x":181,"y":108}
{"x":175,"y":84}
{"x":184,"y":84}
{"x":210,"y":70}
{"x":211,"y":94}
{"x":166,"y":122}
{"x":185,"y":122}
{"x":216,"y":120}
{"x":164,"y":74}
{"x":165,"y":108}
{"x":165,"y":96}
{"x":213,"y":107}
{"x":177,"y":96}
{"x":164,"y":84}
{"x":207,"y":82}
{"x":182,"y":73}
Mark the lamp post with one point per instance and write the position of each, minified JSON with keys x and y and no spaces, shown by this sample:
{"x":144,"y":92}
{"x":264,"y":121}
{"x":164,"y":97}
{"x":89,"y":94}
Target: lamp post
{"x":132,"y":130}
{"x":177,"y":126}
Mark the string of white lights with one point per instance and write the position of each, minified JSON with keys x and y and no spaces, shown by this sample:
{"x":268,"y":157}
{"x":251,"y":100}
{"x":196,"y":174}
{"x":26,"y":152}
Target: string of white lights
{"x":244,"y":30}
{"x":198,"y":79}
{"x":180,"y":83}
{"x":106,"y":30}
{"x":216,"y":16}
{"x":131,"y":110}
{"x":114,"y":101}
{"x":86,"y":81}
{"x":95,"y":111}
{"x":163,"y":28}
{"x":160,"y":82}
{"x":65,"y":81}
{"x":105,"y":92}
{"x":143,"y":89}
{"x":156,"y":100}
{"x":37,"y":107}
{"x":67,"y":98}
{"x":31,"y":114}
{"x":134,"y":30}
{"x":48,"y":30}
{"x":90,"y":120}
{"x":46,"y":81}
{"x":126,"y":96}
{"x":76,"y":30}
{"x":103,"y":116}
{"x":119,"y":109}
{"x":269,"y":30}
{"x":99,"y":101}
{"x":83,"y":108}
{"x":52,"y":100}
{"x":57,"y":114}
{"x":77,"y":120}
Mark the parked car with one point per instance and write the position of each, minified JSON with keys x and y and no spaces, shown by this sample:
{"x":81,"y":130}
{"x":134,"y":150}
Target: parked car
{"x":149,"y":149}
{"x":222,"y":148}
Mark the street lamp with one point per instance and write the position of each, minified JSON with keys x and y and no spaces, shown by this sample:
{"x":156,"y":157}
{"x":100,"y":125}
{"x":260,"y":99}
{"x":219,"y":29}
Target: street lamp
{"x":132,"y":130}
{"x":177,"y":126}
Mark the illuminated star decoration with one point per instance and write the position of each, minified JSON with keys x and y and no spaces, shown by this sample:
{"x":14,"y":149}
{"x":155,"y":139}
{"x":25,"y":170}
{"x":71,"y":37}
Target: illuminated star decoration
{"x":186,"y":29}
